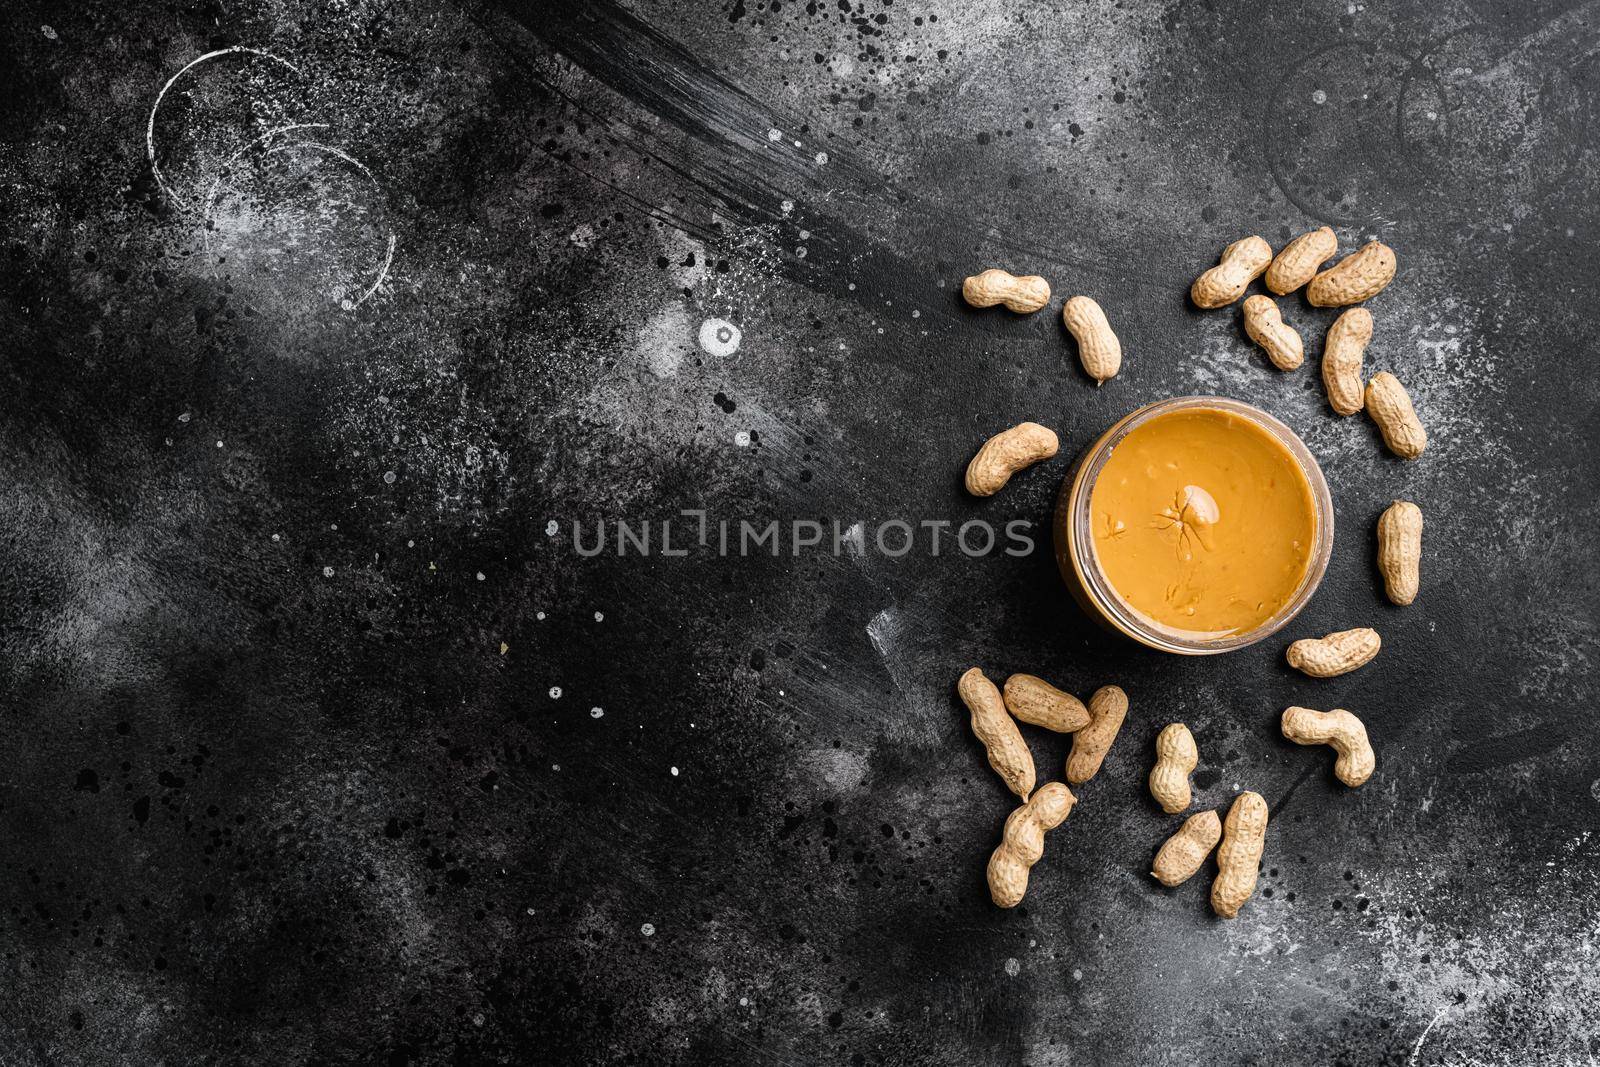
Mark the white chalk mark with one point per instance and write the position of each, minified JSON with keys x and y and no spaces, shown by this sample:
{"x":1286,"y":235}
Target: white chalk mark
{"x":332,"y":151}
{"x":388,"y":255}
{"x":383,"y":273}
{"x":885,"y":631}
{"x":1416,"y":1049}
{"x":882,"y":630}
{"x":150,"y":126}
{"x":366,"y":172}
{"x":216,"y":183}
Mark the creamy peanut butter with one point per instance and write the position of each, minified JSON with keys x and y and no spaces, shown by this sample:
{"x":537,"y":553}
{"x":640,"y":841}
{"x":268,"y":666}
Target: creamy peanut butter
{"x":1203,"y":523}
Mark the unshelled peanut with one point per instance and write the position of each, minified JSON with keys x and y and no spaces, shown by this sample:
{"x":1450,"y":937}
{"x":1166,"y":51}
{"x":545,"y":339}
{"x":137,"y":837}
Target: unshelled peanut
{"x":1008,"y":452}
{"x":1338,"y":653}
{"x":1244,"y":835}
{"x":1187,"y":849}
{"x":1008,"y":752}
{"x":1107,"y":708}
{"x":1361,"y":275}
{"x":1299,"y":260}
{"x":1340,"y":730}
{"x":1265,"y":325}
{"x":1020,"y":294}
{"x":1022,"y":842}
{"x":1240,"y":264}
{"x":1400,"y":551}
{"x":1034,"y":700}
{"x":1390,"y":407}
{"x":1176,"y":758}
{"x":1098,"y":347}
{"x":1341,"y":360}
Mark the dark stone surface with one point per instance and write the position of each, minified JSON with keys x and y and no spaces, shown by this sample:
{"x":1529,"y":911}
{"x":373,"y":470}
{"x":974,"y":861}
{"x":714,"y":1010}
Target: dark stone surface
{"x":301,"y":761}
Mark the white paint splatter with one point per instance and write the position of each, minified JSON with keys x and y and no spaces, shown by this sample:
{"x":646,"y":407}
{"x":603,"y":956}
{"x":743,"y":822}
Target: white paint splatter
{"x":719,"y":337}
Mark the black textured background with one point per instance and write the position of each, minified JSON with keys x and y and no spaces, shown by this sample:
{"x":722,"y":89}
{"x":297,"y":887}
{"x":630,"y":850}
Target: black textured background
{"x":301,"y":761}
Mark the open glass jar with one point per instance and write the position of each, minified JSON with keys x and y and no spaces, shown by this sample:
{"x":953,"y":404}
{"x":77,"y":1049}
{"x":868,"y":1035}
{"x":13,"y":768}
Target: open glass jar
{"x":1084,"y":564}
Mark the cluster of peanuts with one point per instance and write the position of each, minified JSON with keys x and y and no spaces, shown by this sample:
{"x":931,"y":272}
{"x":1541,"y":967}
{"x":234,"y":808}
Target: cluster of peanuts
{"x":1355,"y":279}
{"x":994,"y":721}
{"x":1243,"y":833}
{"x":1238,"y":839}
{"x":1241,"y":836}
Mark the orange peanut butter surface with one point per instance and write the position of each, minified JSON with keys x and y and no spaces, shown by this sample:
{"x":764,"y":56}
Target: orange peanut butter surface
{"x":1203,"y":523}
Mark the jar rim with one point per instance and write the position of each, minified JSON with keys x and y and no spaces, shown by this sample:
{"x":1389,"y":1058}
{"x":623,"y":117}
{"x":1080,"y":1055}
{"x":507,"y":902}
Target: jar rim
{"x":1073,"y":523}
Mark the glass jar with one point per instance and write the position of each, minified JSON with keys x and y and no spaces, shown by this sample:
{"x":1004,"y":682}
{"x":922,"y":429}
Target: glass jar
{"x":1075,"y":550}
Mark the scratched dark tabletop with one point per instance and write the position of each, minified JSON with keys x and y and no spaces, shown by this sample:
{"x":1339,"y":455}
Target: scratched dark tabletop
{"x":336,"y":331}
